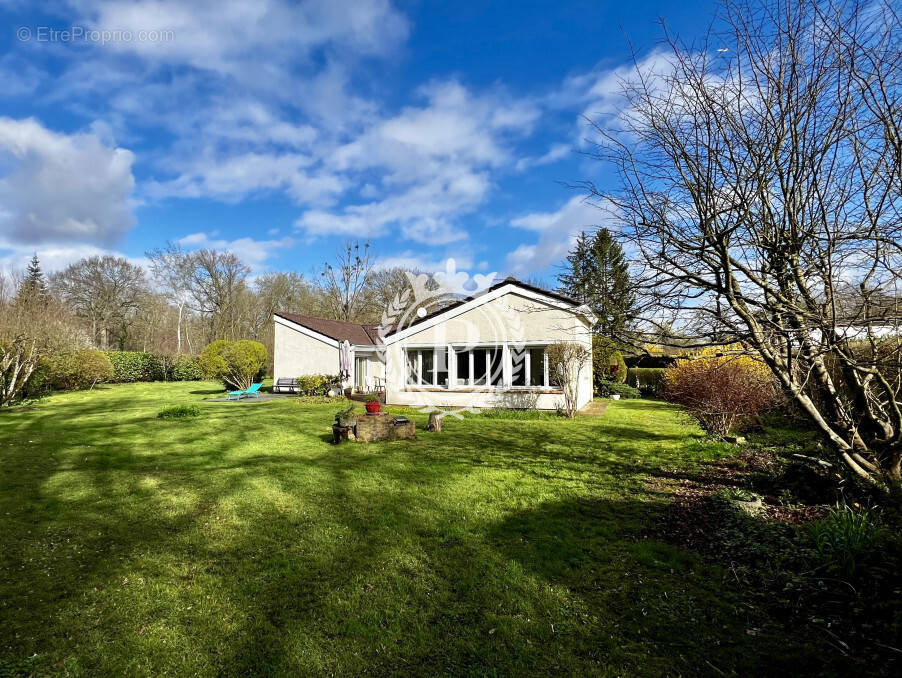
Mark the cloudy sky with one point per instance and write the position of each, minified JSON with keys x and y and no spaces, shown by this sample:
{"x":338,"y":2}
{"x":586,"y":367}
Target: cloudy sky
{"x":279,"y":129}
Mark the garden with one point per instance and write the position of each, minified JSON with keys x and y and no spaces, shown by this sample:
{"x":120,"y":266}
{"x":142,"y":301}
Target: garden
{"x":148,"y":531}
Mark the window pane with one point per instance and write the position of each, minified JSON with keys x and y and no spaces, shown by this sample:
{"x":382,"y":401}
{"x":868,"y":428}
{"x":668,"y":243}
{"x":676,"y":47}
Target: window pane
{"x":463,"y":368}
{"x":411,"y":367}
{"x":479,"y":366}
{"x":428,"y":365}
{"x":441,"y":367}
{"x":537,"y":367}
{"x":518,"y":366}
{"x":496,"y":371}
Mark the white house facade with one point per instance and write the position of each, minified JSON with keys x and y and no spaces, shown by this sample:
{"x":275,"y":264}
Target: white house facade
{"x":484,"y":351}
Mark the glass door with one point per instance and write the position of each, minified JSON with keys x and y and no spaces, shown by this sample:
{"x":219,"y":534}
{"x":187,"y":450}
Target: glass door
{"x":360,"y":365}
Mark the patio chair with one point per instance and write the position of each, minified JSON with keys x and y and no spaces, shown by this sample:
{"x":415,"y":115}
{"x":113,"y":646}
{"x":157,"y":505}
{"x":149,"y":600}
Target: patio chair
{"x":254,"y":390}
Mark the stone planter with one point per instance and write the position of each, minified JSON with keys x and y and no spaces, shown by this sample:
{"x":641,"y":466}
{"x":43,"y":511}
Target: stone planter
{"x":340,"y":433}
{"x":383,"y":426}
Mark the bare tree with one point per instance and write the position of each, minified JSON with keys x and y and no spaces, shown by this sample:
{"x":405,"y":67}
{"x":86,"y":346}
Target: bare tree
{"x":216,"y":280}
{"x":105,"y":291}
{"x":171,"y":267}
{"x":384,"y":286}
{"x":761,"y":177}
{"x":566,"y":362}
{"x":344,"y":283}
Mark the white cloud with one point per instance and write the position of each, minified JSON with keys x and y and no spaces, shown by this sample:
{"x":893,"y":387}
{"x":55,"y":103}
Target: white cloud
{"x":62,"y":188}
{"x":411,"y":261}
{"x":434,"y":162}
{"x":252,"y":252}
{"x":557,"y":231}
{"x":235,"y":177}
{"x":55,"y":257}
{"x":555,"y":153}
{"x":239,"y":38}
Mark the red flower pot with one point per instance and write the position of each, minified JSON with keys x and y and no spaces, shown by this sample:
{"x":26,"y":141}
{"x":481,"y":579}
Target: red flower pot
{"x":373,"y":407}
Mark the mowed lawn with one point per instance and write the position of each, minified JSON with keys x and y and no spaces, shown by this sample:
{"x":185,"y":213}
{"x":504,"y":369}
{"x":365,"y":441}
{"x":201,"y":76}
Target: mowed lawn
{"x":242,"y":542}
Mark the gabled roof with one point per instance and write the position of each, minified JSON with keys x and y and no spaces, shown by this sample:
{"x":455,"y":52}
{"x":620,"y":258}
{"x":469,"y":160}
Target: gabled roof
{"x":368,"y":335}
{"x":510,"y":280}
{"x":339,"y":330}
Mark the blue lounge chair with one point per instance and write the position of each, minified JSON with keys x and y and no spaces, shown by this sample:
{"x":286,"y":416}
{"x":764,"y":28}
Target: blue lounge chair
{"x":254,"y":390}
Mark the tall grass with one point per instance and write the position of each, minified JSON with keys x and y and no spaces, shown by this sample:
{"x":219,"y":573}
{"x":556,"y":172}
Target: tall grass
{"x":847,"y":537}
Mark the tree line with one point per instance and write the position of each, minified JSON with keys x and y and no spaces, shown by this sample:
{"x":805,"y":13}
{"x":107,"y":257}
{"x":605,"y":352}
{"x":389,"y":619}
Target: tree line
{"x":184,"y":299}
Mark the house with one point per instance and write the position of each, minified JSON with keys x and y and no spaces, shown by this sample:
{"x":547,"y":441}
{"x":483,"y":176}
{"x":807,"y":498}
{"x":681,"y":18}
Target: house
{"x":484,"y":349}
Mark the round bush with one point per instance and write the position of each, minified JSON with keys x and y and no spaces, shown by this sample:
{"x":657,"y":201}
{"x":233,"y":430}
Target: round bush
{"x":722,"y":392}
{"x":80,"y":369}
{"x":235,"y":363}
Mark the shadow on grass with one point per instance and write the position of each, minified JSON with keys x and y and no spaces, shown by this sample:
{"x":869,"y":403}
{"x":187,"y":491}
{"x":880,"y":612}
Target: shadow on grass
{"x":245,"y":544}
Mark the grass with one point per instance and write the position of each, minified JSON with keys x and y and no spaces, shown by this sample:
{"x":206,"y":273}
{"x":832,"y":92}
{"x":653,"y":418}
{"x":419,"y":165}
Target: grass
{"x":242,"y":542}
{"x":178,"y":412}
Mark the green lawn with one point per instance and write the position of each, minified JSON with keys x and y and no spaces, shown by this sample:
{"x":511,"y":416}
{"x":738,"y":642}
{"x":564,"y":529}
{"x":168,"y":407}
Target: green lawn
{"x":242,"y":542}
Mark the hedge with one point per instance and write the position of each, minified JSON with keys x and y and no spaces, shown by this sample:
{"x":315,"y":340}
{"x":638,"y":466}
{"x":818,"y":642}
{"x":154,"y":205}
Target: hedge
{"x":646,"y":379}
{"x":79,"y":369}
{"x":133,"y":366}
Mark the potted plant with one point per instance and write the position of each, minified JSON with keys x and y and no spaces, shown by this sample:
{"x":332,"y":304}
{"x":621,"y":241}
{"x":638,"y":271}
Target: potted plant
{"x":346,"y":417}
{"x":373,"y":405}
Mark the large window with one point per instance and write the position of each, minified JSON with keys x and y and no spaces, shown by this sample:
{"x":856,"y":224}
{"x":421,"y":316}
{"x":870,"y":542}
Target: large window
{"x":427,"y":367}
{"x":477,"y":367}
{"x":537,"y":366}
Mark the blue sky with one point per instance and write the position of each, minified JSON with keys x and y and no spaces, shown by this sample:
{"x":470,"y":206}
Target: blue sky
{"x":280,"y":129}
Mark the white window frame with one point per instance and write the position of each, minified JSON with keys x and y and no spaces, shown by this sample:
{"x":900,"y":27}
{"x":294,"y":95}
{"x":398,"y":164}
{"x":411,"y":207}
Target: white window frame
{"x":454,"y":352}
{"x":418,"y":378}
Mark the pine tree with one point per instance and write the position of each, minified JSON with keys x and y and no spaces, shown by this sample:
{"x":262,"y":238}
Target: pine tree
{"x":597,"y":275}
{"x":34,"y":287}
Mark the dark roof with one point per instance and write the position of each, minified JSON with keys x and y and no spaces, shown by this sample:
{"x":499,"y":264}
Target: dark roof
{"x":363,"y":335}
{"x":339,"y":330}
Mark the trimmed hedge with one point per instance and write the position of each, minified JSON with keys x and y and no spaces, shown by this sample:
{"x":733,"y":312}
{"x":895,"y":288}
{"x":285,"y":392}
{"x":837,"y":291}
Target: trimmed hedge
{"x":646,"y":379}
{"x":133,"y":366}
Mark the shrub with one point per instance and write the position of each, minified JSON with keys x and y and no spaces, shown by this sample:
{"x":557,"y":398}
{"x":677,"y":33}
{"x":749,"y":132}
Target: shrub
{"x":566,"y":361}
{"x":80,"y":369}
{"x":186,"y":368}
{"x":39,"y":384}
{"x":846,"y":537}
{"x":19,"y":360}
{"x":178,"y":412}
{"x":646,"y":379}
{"x":346,"y":416}
{"x":134,"y":366}
{"x":515,"y":414}
{"x":316,"y":384}
{"x":722,"y":392}
{"x":607,"y":361}
{"x":608,"y":388}
{"x":131,"y":366}
{"x":235,"y":363}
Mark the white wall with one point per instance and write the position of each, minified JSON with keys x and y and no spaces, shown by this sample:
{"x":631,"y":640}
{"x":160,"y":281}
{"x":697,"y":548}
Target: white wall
{"x":296,"y":354}
{"x":510,"y":318}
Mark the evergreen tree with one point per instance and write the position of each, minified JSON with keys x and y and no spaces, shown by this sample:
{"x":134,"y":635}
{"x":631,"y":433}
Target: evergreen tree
{"x":34,"y":287}
{"x":597,"y":275}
